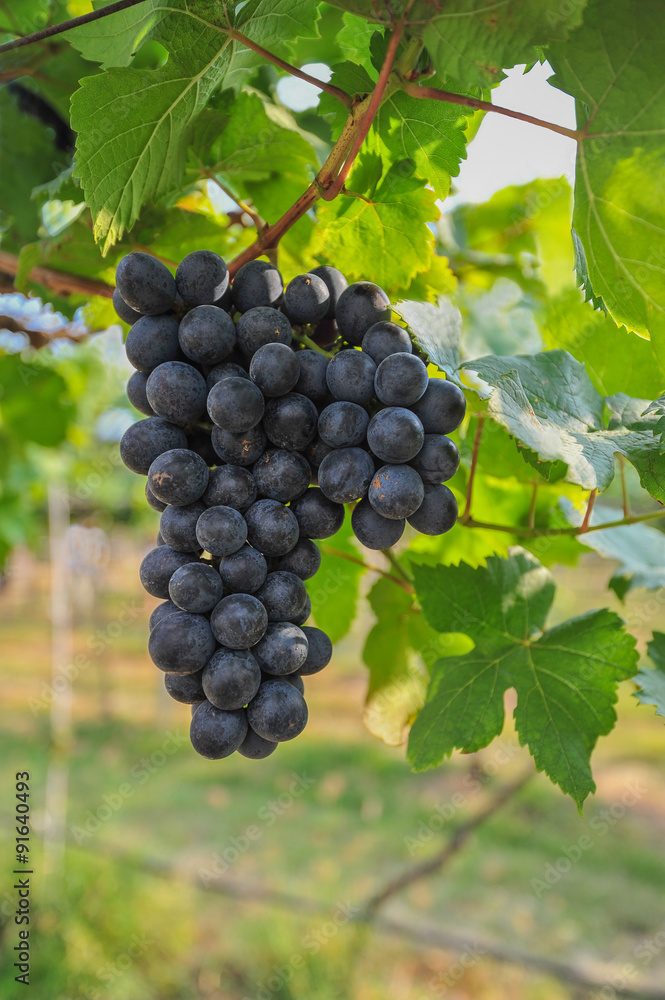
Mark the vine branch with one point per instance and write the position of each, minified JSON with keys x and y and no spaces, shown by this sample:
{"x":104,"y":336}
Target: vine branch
{"x":368,"y":566}
{"x":524,"y":532}
{"x":74,"y":22}
{"x":57,"y":281}
{"x":466,"y":516}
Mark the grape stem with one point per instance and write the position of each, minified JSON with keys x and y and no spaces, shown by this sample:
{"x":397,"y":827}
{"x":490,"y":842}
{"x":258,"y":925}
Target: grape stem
{"x":59,"y":281}
{"x":584,"y":527}
{"x":397,"y":566}
{"x":524,"y":532}
{"x":624,"y":486}
{"x":304,"y":339}
{"x":466,"y":516}
{"x":74,"y":22}
{"x":329,"y":550}
{"x":242,"y":205}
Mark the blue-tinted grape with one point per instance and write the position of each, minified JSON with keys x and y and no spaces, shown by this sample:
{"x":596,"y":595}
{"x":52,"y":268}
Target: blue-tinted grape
{"x":227,"y":369}
{"x":294,"y":679}
{"x":152,"y":341}
{"x":181,"y":643}
{"x":146,"y":440}
{"x":145,"y":284}
{"x":303,"y":615}
{"x":278,"y":712}
{"x":335,"y":282}
{"x":282,"y":650}
{"x":343,"y":424}
{"x":152,"y":499}
{"x":196,"y":587}
{"x":177,"y":392}
{"x":185,"y":688}
{"x":236,"y":404}
{"x":244,"y":571}
{"x":306,"y":299}
{"x":125,"y":312}
{"x":207,"y":335}
{"x":283,"y":595}
{"x":362,"y":305}
{"x":239,"y":449}
{"x":350,"y":375}
{"x":290,"y":421}
{"x":304,"y":559}
{"x":274,"y":368}
{"x":254,"y":747}
{"x":231,"y":678}
{"x":230,"y":486}
{"x":437,"y":460}
{"x":201,"y":278}
{"x":177,"y":526}
{"x":281,"y":475}
{"x":386,"y":338}
{"x":396,"y":491}
{"x":136,"y":393}
{"x":257,"y":283}
{"x":216,"y":734}
{"x":221,"y":530}
{"x":271,"y":527}
{"x":239,"y":621}
{"x":437,"y":513}
{"x":162,"y":610}
{"x":395,"y":435}
{"x":442,"y":407}
{"x":159,"y":566}
{"x":178,"y":476}
{"x":345,"y":474}
{"x":319,"y":652}
{"x":259,"y":327}
{"x":373,"y":530}
{"x":317,"y":515}
{"x":316,"y":451}
{"x":401,"y":379}
{"x":312,"y":377}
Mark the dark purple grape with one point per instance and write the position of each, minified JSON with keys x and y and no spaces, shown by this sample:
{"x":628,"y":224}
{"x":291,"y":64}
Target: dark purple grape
{"x":145,"y":284}
{"x":239,"y":621}
{"x":319,"y":652}
{"x":290,"y":421}
{"x":442,"y":407}
{"x":281,"y":475}
{"x":146,"y":440}
{"x":345,"y":474}
{"x":274,"y":368}
{"x":395,"y":435}
{"x":202,"y":277}
{"x":177,"y":392}
{"x":335,"y":282}
{"x":178,"y":477}
{"x":177,"y":526}
{"x":257,"y":283}
{"x":239,"y":449}
{"x":152,"y":341}
{"x":437,"y":460}
{"x":207,"y":334}
{"x":125,"y":312}
{"x":230,"y":486}
{"x":304,"y":559}
{"x":271,"y":527}
{"x":244,"y":571}
{"x":136,"y":393}
{"x":401,"y":380}
{"x":259,"y":327}
{"x":373,"y":530}
{"x":386,"y":338}
{"x":278,"y":712}
{"x":216,"y":734}
{"x":181,"y":643}
{"x":396,"y":491}
{"x":162,"y":610}
{"x":437,"y":513}
{"x":312,"y":378}
{"x":254,"y":747}
{"x":221,"y":530}
{"x":236,"y":404}
{"x":159,"y":566}
{"x":196,"y":587}
{"x":282,"y":650}
{"x":317,"y":516}
{"x":231,"y":678}
{"x":350,"y":375}
{"x":306,"y":299}
{"x":185,"y":688}
{"x":343,"y":424}
{"x":359,"y":307}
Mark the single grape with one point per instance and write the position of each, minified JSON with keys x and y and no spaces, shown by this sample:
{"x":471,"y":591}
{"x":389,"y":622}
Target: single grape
{"x":259,"y":327}
{"x":196,"y":587}
{"x":362,"y":305}
{"x":396,"y":491}
{"x":281,"y":475}
{"x":294,"y":679}
{"x":227,"y":369}
{"x":319,"y":652}
{"x":152,"y":499}
{"x":136,"y":393}
{"x":216,"y":734}
{"x":282,"y":650}
{"x":373,"y":530}
{"x":304,"y":559}
{"x":278,"y":712}
{"x":207,"y":335}
{"x":236,"y":404}
{"x":318,"y":516}
{"x":152,"y":341}
{"x":221,"y":530}
{"x":181,"y":643}
{"x":239,"y":621}
{"x":177,"y":392}
{"x":442,"y":407}
{"x":239,"y":449}
{"x":244,"y":571}
{"x":345,"y":474}
{"x":306,"y":299}
{"x":283,"y":595}
{"x":145,"y":284}
{"x":185,"y":688}
{"x":437,"y":460}
{"x":125,"y":312}
{"x":312,"y":376}
{"x":302,"y":617}
{"x":395,"y":435}
{"x":146,"y":440}
{"x":231,"y":678}
{"x":257,"y":283}
{"x":159,"y":540}
{"x":162,"y":610}
{"x":316,"y":451}
{"x":177,"y":526}
{"x":230,"y":486}
{"x":271,"y":527}
{"x":335,"y":282}
{"x":199,"y":439}
{"x":159,"y":566}
{"x":254,"y":747}
{"x":385,"y":338}
{"x":401,"y":379}
{"x":290,"y":421}
{"x":350,"y":375}
{"x":178,"y":477}
{"x":343,"y":424}
{"x":274,"y":368}
{"x":202,"y":277}
{"x":437,"y":513}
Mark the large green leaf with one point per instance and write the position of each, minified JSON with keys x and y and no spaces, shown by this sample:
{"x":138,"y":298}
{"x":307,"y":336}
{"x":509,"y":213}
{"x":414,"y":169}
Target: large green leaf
{"x":436,"y":329}
{"x":614,"y":66}
{"x":334,"y":590}
{"x":113,"y":40}
{"x":134,"y":125}
{"x":565,"y":677}
{"x":651,"y":683}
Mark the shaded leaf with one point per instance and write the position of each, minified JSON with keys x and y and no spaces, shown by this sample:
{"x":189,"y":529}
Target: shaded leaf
{"x":651,"y":683}
{"x":436,"y":329}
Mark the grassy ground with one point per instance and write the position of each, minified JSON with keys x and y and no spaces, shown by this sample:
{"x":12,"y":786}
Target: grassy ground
{"x":328,"y":818}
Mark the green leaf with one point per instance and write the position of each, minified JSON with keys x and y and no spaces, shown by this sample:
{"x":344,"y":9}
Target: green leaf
{"x":355,"y":38}
{"x":334,"y":589}
{"x":35,"y":406}
{"x":134,"y":125}
{"x":379,"y":232}
{"x":565,"y":677}
{"x":652,"y":682}
{"x":658,"y":409}
{"x":436,"y":329}
{"x":473,"y":40}
{"x":113,"y":40}
{"x":619,"y":213}
{"x":23,"y":17}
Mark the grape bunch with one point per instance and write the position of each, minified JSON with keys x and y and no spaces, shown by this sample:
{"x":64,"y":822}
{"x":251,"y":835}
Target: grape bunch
{"x":252,"y":443}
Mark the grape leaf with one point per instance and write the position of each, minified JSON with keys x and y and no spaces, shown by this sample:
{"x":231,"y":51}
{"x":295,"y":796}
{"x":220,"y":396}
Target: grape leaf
{"x":334,"y":590}
{"x":619,"y":214}
{"x":436,"y":329}
{"x":22,"y":17}
{"x":35,"y":404}
{"x":378,"y":231}
{"x":658,"y":409}
{"x":565,"y":677}
{"x":134,"y":124}
{"x":113,"y":40}
{"x":355,"y":38}
{"x":652,"y":682}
